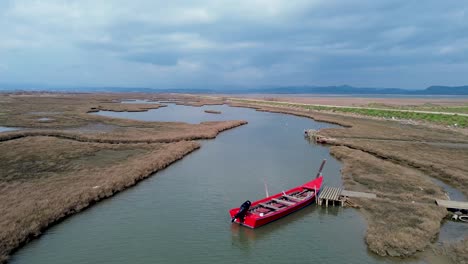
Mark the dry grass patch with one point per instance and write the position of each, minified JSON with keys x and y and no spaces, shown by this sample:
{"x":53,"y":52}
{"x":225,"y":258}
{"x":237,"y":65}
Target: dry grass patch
{"x":139,"y":132}
{"x":403,"y":219}
{"x":400,"y":228}
{"x":445,"y":162}
{"x":44,"y":179}
{"x":120,"y":107}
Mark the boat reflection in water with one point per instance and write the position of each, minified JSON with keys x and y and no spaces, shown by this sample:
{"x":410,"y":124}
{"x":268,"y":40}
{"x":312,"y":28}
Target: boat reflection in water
{"x":243,"y":237}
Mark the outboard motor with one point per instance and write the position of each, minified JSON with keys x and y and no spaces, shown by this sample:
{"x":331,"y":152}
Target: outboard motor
{"x":244,"y":208}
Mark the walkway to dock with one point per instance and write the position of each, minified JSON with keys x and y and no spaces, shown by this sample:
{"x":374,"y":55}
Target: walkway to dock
{"x":454,"y":205}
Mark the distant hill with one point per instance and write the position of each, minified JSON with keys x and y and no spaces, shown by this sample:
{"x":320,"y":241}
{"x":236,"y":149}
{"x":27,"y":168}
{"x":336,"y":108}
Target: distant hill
{"x":446,"y":90}
{"x":342,"y":89}
{"x":346,"y":89}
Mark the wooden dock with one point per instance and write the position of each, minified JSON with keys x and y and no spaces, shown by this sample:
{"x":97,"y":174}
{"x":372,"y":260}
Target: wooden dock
{"x":330,"y":194}
{"x":338,"y":196}
{"x":454,"y":205}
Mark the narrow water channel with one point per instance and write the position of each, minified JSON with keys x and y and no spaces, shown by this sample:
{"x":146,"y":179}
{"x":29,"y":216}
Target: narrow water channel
{"x":6,"y":129}
{"x":180,"y":215}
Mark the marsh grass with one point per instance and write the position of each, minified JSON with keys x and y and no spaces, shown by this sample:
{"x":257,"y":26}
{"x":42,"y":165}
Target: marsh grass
{"x":43,"y":179}
{"x":463,"y":109}
{"x":403,"y":219}
{"x":55,"y":169}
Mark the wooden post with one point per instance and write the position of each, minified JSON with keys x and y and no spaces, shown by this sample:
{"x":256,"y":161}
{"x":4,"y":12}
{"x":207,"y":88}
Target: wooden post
{"x":326,"y":202}
{"x":321,"y":168}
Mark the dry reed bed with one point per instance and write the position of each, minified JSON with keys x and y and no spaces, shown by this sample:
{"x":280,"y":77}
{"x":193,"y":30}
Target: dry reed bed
{"x":38,"y":190}
{"x":54,"y":170}
{"x":120,"y":107}
{"x":18,"y":110}
{"x":446,"y":163}
{"x":178,"y":132}
{"x":404,"y":219}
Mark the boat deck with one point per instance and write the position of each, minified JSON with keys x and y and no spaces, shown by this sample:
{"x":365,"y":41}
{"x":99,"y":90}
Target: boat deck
{"x":280,"y":203}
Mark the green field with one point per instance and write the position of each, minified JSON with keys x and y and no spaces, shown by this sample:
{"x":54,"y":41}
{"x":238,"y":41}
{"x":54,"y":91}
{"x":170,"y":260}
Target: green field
{"x":443,"y":119}
{"x":424,"y":107}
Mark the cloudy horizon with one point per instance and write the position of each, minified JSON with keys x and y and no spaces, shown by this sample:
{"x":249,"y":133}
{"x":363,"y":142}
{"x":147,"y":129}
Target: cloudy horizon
{"x":215,"y":44}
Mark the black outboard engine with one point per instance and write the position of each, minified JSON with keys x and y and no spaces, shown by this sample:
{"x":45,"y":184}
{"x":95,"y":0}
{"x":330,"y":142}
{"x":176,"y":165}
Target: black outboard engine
{"x":242,"y":211}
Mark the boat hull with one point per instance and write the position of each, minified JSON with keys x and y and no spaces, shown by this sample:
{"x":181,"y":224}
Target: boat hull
{"x":279,"y":205}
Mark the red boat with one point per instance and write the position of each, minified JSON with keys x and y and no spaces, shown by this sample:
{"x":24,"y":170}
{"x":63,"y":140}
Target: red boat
{"x":274,"y":207}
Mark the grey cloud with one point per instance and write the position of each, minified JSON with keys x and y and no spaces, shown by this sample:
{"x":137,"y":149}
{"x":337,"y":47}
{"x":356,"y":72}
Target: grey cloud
{"x":181,"y":43}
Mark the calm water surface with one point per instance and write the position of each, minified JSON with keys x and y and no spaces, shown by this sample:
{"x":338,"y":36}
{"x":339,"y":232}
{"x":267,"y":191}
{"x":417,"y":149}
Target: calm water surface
{"x":5,"y":129}
{"x":180,"y":215}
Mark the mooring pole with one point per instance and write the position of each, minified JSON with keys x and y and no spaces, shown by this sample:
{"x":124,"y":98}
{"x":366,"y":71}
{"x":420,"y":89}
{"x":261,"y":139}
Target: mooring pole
{"x":319,"y":173}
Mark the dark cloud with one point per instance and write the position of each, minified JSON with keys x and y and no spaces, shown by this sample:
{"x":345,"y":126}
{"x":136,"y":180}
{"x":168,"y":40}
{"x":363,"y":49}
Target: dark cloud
{"x":180,"y":43}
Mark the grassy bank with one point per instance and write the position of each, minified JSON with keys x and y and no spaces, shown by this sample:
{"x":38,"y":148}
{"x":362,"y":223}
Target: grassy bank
{"x":403,"y":220}
{"x":424,"y":107}
{"x":443,"y":119}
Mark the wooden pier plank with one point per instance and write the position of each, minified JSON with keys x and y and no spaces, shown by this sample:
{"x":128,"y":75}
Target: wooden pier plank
{"x":330,"y":193}
{"x":337,"y":194}
{"x":358,"y":194}
{"x":452,"y":204}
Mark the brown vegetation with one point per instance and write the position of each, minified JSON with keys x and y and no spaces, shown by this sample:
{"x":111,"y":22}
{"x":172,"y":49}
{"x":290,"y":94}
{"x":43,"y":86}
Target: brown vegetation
{"x":44,"y":179}
{"x":119,"y":107}
{"x":404,"y":218}
{"x":445,"y":162}
{"x":152,"y":132}
{"x":53,"y":169}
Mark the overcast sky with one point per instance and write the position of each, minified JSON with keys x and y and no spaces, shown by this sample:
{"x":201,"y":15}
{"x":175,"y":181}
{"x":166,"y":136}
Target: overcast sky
{"x":252,"y":43}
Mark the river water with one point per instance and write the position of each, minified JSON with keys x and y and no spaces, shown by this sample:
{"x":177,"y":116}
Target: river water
{"x":180,"y":215}
{"x":6,"y":129}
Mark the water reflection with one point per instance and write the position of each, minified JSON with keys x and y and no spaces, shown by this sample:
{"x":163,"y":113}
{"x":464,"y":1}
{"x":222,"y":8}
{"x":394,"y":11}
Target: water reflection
{"x":6,"y":129}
